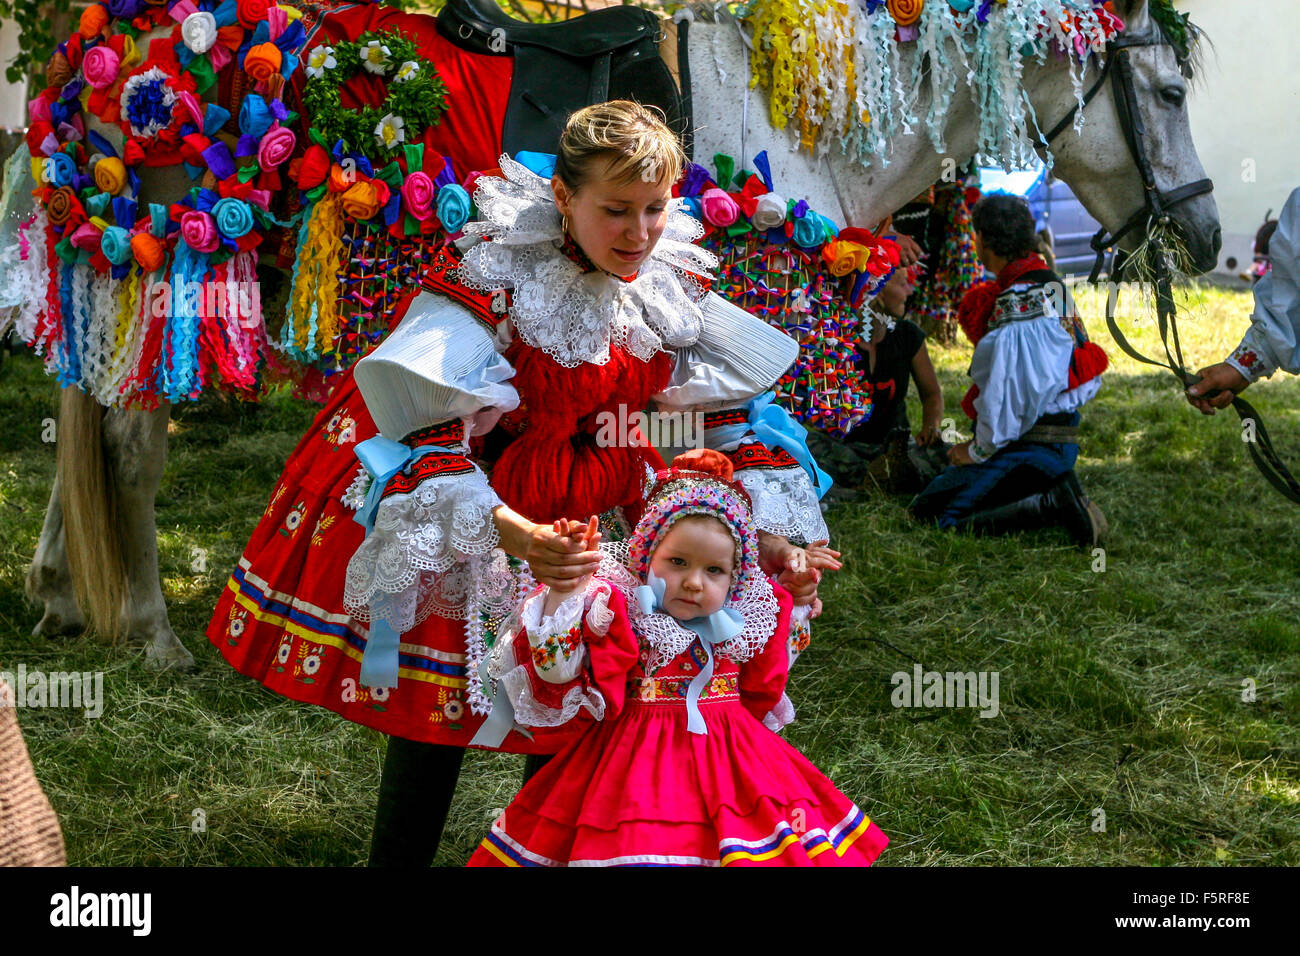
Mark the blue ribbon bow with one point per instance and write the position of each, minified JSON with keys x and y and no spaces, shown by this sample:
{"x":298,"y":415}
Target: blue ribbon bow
{"x":382,"y":458}
{"x":716,"y":628}
{"x":775,"y":427}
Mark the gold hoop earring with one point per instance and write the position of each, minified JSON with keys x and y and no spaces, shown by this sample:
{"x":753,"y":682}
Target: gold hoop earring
{"x":565,"y":224}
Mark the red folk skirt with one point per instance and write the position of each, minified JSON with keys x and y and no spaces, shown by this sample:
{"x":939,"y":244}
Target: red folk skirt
{"x":281,"y":620}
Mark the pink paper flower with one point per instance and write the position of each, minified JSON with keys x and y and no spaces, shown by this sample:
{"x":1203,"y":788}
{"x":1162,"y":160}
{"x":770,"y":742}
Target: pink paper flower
{"x":100,"y":66}
{"x":200,"y":231}
{"x":718,"y":208}
{"x":418,"y":192}
{"x":276,"y":146}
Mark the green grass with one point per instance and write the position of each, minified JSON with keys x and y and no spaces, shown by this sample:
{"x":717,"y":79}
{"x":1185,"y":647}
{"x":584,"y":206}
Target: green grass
{"x":1120,"y":690}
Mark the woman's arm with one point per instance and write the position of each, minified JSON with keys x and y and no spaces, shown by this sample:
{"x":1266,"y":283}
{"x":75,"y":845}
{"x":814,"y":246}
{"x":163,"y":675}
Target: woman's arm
{"x":927,"y":384}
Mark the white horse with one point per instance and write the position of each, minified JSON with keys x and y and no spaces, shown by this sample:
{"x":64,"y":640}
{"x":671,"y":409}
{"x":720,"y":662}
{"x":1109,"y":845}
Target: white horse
{"x":99,"y":530}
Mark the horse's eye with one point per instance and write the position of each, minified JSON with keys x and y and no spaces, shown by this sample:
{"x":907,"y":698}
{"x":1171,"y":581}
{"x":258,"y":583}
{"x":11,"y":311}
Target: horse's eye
{"x":1173,"y":95}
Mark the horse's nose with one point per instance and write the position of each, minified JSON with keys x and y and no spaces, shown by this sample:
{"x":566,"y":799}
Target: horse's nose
{"x":1216,"y":243}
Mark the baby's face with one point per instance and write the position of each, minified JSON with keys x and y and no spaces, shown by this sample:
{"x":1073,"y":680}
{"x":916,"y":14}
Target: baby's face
{"x":695,"y":560}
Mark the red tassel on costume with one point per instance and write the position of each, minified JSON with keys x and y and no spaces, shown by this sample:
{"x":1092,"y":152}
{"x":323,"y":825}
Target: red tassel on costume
{"x":968,"y":401}
{"x":1087,"y":363}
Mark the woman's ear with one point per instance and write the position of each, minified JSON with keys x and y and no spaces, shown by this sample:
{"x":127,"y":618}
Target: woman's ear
{"x":563,"y":197}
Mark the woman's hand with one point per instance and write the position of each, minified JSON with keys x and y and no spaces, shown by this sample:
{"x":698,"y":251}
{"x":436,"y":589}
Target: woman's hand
{"x":560,"y":561}
{"x":1222,"y":383}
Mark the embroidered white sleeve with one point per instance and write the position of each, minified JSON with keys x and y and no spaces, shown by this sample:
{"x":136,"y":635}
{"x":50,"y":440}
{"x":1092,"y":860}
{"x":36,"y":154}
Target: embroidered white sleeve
{"x":556,"y":656}
{"x":1274,"y":334}
{"x":1019,"y":368}
{"x":785,"y":503}
{"x":419,"y":559}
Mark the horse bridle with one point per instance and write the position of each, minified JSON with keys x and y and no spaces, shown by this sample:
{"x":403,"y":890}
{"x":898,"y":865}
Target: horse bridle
{"x":1155,"y":210}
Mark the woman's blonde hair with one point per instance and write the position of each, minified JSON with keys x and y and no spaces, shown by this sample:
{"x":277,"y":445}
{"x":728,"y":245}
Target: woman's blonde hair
{"x":633,"y":140}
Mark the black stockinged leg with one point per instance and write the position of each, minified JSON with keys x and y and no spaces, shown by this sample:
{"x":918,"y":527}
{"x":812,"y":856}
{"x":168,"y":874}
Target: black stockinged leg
{"x":534,"y":763}
{"x":414,"y":797}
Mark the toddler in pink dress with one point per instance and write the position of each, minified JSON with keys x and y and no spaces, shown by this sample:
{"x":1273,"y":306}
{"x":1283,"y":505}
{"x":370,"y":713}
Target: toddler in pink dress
{"x":676,"y":649}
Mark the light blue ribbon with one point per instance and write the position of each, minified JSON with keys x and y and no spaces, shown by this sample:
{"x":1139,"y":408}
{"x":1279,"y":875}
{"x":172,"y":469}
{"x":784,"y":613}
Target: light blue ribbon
{"x":775,"y":427}
{"x":500,"y":719}
{"x":717,"y":628}
{"x":383,"y":458}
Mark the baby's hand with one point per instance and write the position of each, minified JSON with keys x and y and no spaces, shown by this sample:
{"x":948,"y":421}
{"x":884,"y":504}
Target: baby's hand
{"x":823,"y":558}
{"x":587,"y":536}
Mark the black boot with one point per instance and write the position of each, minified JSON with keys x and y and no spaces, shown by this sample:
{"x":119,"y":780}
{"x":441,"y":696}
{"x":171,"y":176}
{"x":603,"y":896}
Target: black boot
{"x":1063,"y":504}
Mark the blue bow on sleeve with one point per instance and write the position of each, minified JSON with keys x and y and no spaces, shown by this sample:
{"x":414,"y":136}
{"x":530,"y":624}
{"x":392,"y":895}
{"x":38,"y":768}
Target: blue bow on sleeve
{"x":775,"y":427}
{"x":716,"y":628}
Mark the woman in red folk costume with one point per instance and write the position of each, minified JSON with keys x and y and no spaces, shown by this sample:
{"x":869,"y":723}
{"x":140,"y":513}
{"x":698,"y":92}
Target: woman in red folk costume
{"x":562,"y":307}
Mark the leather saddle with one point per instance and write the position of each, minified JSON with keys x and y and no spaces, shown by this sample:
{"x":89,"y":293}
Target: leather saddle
{"x":560,"y":67}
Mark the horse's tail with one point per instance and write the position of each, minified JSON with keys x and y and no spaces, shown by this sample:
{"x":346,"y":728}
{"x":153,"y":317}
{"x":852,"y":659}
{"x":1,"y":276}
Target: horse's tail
{"x":94,"y":545}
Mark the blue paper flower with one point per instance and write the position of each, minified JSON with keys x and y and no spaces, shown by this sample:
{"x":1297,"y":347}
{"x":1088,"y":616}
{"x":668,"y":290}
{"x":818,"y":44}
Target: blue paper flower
{"x":234,"y":217}
{"x":453,"y":207}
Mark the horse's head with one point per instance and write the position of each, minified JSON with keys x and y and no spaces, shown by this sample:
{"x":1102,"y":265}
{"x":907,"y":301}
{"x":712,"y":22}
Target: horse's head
{"x":1099,"y":162}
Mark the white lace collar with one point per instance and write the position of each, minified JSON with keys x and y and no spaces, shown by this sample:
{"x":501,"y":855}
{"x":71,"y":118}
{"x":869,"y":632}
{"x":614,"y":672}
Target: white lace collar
{"x":572,"y":315}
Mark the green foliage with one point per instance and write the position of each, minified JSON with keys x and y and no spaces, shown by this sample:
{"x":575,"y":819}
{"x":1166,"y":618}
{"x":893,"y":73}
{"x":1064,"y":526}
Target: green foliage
{"x":419,"y":102}
{"x":36,"y":22}
{"x":1176,"y":26}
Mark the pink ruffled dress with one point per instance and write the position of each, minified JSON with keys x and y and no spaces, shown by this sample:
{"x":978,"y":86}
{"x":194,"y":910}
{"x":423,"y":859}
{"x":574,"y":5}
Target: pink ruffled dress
{"x":639,"y":788}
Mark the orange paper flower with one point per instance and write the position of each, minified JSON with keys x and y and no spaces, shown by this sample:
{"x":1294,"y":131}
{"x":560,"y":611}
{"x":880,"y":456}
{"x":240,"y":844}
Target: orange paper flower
{"x":110,"y":175}
{"x":839,"y":258}
{"x":263,"y":62}
{"x":362,"y":200}
{"x":905,"y":12}
{"x":148,"y":251}
{"x":93,"y":20}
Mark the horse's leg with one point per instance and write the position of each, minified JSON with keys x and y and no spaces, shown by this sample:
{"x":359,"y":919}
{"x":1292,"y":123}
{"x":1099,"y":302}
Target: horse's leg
{"x":136,"y":444}
{"x":48,"y":580}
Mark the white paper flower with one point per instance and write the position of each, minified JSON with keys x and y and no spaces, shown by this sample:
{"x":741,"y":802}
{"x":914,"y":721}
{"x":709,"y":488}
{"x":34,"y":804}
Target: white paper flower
{"x":769,"y":211}
{"x":407,"y":71}
{"x":390,"y":131}
{"x":199,"y":31}
{"x":375,"y":57}
{"x":319,"y":61}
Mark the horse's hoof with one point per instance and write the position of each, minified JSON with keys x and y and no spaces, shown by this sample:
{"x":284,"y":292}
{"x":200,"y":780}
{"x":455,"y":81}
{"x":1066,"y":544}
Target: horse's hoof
{"x":53,"y":624}
{"x":171,"y":656}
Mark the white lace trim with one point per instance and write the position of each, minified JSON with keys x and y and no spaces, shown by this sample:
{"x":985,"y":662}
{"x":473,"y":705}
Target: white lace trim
{"x":785,"y":503}
{"x":355,"y":495}
{"x":666,"y":638}
{"x":570,"y":315}
{"x":496,"y":595}
{"x":781,"y":715}
{"x":428,"y":550}
{"x":26,"y":283}
{"x":512,"y":674}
